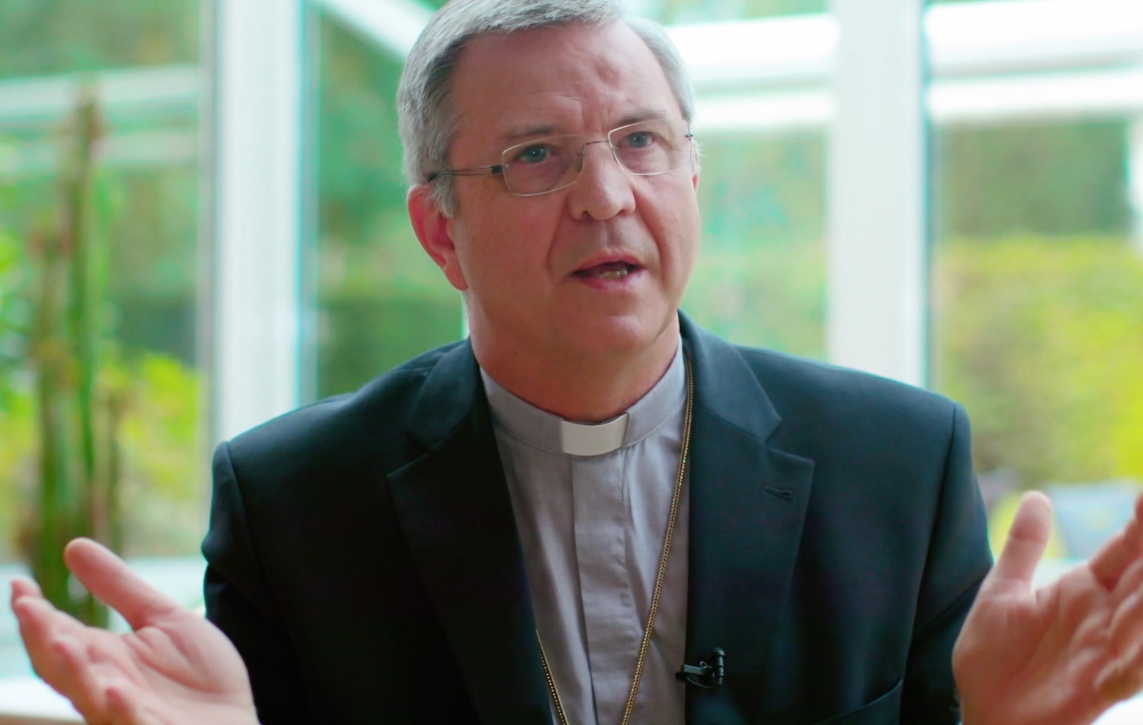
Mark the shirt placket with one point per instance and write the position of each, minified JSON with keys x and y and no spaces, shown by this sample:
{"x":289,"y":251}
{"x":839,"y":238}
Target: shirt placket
{"x":612,"y":628}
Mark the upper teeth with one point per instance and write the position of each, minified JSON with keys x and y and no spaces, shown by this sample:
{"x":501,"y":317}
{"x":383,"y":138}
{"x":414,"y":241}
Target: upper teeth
{"x":614,"y":273}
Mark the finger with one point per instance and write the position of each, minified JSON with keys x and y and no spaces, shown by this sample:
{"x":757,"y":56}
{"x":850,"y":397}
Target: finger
{"x":1129,"y":583}
{"x":24,"y":587}
{"x":1127,"y":625}
{"x":1113,"y":558}
{"x":41,"y":626}
{"x":1126,"y":629}
{"x":1027,"y":540}
{"x":111,"y":581}
{"x":73,"y":677}
{"x":55,"y":650}
{"x":1122,"y":678}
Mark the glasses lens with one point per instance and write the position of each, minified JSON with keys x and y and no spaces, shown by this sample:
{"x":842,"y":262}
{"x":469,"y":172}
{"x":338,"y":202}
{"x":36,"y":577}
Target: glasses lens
{"x":541,"y":165}
{"x":553,"y":162}
{"x":649,"y":147}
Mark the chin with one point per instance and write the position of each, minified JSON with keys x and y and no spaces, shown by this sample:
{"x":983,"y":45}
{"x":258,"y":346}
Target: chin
{"x":618,"y":334}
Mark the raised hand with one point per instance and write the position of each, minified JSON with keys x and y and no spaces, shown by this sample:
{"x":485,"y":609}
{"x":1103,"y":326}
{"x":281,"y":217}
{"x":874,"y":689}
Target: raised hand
{"x":174,"y":668}
{"x":1061,"y":655}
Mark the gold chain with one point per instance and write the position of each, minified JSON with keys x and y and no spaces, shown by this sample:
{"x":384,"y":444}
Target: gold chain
{"x":645,"y":646}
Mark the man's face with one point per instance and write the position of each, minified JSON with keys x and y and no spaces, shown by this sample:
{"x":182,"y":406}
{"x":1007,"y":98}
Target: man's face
{"x":598,"y":267}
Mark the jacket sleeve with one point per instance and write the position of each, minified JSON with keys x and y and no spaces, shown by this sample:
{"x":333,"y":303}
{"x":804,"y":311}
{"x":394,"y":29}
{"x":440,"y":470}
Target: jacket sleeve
{"x":958,"y":559}
{"x":240,"y":602}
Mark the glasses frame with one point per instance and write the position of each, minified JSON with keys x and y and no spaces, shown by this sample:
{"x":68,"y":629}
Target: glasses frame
{"x":500,"y":168}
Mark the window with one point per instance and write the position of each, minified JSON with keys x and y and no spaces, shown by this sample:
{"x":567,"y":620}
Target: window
{"x":142,"y":223}
{"x":1037,"y":263}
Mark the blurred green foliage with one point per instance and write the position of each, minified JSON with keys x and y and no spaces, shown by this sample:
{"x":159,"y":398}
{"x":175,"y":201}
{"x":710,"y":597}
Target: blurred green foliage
{"x":15,"y":313}
{"x":43,"y":37}
{"x":381,"y":300}
{"x":1059,"y":179}
{"x":765,"y":295}
{"x":148,"y":219}
{"x":760,"y":278}
{"x":1037,"y":318}
{"x":17,"y":439}
{"x":1042,"y":341}
{"x":162,"y":479}
{"x":78,"y":407}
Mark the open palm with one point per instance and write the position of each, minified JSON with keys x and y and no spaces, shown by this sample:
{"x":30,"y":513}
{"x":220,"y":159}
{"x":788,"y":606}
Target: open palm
{"x":1061,"y":655}
{"x":173,"y":668}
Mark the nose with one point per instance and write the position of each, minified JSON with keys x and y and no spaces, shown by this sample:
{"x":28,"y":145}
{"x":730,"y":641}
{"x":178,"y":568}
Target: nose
{"x":603,"y":189}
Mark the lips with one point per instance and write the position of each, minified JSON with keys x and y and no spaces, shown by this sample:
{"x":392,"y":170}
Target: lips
{"x":607,"y":270}
{"x":611,"y":266}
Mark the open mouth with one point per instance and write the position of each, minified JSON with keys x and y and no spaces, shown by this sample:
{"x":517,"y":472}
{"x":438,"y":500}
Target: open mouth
{"x":608,"y":271}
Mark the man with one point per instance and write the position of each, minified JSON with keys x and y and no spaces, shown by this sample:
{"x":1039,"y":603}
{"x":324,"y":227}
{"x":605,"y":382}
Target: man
{"x":548,"y":521}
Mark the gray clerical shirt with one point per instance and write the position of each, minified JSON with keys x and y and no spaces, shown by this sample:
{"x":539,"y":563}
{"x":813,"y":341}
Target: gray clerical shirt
{"x":591,"y":504}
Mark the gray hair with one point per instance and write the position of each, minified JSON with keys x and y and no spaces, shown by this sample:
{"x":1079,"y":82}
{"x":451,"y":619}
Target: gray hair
{"x":425,"y":112}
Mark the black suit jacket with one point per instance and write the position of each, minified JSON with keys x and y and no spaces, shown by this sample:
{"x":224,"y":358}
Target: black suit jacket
{"x":362,"y":553}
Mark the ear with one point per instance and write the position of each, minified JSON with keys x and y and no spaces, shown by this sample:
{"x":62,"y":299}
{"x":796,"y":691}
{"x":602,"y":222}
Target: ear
{"x":433,"y":230}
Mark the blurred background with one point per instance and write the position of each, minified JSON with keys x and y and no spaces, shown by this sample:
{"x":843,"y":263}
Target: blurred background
{"x":202,"y":225}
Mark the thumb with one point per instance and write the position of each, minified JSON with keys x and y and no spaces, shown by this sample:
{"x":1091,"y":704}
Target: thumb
{"x":1027,"y":540}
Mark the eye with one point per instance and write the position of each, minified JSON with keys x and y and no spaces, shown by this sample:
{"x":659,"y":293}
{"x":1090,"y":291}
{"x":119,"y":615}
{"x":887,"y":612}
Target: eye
{"x":639,"y":139}
{"x":534,"y":154}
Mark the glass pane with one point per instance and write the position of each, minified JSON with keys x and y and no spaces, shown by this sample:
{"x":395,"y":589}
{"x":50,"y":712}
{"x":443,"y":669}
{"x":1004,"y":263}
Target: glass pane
{"x":381,"y":299}
{"x":69,"y":36}
{"x":760,"y":278}
{"x":134,"y":333}
{"x":1038,"y":314}
{"x":143,"y":209}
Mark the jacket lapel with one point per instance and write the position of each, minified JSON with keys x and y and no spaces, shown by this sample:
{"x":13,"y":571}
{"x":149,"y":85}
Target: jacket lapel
{"x":457,"y":519}
{"x":748,"y":501}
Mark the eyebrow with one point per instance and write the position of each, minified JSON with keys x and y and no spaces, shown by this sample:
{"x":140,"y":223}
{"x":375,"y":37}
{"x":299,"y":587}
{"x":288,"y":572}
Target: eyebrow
{"x":522,"y":132}
{"x":656,"y":114}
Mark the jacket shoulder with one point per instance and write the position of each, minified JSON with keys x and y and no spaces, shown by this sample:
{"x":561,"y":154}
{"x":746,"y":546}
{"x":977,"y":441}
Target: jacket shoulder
{"x":830,"y":413}
{"x":796,"y":382}
{"x":369,"y":422}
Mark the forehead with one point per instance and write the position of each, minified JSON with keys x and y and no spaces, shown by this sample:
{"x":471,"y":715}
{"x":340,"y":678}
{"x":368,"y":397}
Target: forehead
{"x":567,"y":79}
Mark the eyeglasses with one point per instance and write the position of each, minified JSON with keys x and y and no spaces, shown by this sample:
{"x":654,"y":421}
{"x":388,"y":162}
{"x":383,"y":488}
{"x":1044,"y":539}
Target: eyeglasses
{"x":551,"y":163}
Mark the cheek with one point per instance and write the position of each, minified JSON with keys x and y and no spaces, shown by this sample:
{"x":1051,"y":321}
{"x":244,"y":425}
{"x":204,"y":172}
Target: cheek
{"x":530,"y":232}
{"x":507,"y":251}
{"x":687,"y":256}
{"x":694,"y":224}
{"x":679,"y":226}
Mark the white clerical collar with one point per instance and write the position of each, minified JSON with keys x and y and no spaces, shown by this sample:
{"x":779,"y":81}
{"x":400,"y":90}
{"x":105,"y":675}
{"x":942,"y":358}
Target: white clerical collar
{"x":586,"y":439}
{"x":545,"y":431}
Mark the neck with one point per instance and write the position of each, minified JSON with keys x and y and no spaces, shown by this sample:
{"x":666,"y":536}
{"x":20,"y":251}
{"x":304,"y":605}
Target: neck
{"x":586,"y":388}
